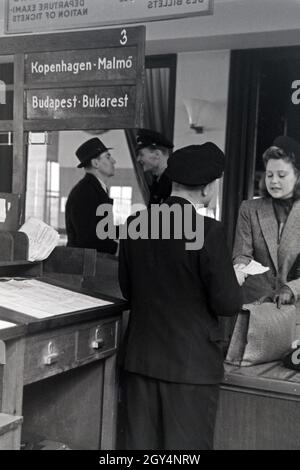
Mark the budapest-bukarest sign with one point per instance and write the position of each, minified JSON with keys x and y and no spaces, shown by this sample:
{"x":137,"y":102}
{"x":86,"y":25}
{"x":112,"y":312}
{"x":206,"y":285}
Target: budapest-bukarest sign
{"x":46,"y":15}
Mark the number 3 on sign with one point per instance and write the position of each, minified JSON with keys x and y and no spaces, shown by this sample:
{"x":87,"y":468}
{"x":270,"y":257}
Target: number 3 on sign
{"x":124,"y":38}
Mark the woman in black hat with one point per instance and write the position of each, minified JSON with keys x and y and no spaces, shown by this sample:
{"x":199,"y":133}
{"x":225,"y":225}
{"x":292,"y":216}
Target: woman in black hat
{"x":268,"y":229}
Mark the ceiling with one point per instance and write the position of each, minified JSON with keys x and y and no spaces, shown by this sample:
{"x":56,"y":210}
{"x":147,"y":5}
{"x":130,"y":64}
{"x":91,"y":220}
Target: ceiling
{"x":234,"y":24}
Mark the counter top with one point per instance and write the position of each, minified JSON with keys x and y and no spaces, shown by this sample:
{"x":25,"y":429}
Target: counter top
{"x":25,"y":324}
{"x":269,"y":378}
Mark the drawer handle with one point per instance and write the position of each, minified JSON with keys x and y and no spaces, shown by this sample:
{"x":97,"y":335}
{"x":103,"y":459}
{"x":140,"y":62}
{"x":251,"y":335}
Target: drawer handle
{"x":98,"y":342}
{"x":52,"y":356}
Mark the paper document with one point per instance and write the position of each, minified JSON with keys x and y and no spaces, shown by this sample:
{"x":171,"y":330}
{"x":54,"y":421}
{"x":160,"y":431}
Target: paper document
{"x":254,"y":268}
{"x":41,"y":300}
{"x":42,"y":238}
{"x":6,"y":324}
{"x":2,"y":210}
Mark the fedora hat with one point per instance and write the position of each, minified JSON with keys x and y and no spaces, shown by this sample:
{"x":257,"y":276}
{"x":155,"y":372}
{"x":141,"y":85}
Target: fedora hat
{"x":90,"y":149}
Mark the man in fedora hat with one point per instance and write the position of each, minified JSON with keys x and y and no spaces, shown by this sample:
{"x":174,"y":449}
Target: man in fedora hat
{"x":87,"y":195}
{"x":173,"y":359}
{"x":153,"y":150}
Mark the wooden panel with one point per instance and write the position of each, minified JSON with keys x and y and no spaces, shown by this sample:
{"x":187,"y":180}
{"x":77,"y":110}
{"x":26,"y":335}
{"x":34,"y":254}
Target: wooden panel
{"x":270,"y":378}
{"x":101,"y":335}
{"x":68,"y":41}
{"x":279,"y":373}
{"x":252,"y":421}
{"x":110,"y":401}
{"x":39,"y":348}
{"x":21,"y":246}
{"x":21,"y":269}
{"x":66,"y":408}
{"x":255,"y":371}
{"x":10,"y":432}
{"x":12,"y":207}
{"x":12,"y":377}
{"x":6,"y":246}
{"x":19,"y":162}
{"x":9,"y":422}
{"x":69,"y":260}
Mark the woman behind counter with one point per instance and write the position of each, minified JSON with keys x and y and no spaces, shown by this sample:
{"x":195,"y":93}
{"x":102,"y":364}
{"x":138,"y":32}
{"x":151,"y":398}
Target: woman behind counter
{"x":268,"y":229}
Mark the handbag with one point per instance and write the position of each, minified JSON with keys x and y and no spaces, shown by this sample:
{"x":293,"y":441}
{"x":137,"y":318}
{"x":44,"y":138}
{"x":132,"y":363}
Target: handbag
{"x":262,"y":333}
{"x":292,"y":359}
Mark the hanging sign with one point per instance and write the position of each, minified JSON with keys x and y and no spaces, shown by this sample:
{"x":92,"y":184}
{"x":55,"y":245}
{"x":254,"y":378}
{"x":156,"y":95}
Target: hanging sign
{"x":114,"y":63}
{"x":103,"y":85}
{"x":46,"y":15}
{"x":59,"y":103}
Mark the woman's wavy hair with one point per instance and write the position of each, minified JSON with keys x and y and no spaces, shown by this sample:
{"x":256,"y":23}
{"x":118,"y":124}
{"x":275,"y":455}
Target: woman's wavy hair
{"x":276,"y":153}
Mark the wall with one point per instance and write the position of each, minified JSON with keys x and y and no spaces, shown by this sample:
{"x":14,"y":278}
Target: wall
{"x":202,"y":75}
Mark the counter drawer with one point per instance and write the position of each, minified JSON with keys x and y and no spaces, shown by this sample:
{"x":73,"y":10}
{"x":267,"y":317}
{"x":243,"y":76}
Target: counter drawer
{"x":99,"y":339}
{"x":48,"y":354}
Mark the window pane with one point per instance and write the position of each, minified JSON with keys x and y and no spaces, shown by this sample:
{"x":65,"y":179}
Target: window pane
{"x":52,"y":173}
{"x":6,"y":87}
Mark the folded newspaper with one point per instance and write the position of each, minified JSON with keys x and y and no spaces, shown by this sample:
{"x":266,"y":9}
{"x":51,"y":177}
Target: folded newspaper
{"x":42,"y":238}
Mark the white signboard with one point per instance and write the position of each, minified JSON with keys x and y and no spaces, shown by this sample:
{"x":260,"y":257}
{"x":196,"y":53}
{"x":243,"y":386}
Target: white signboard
{"x":47,"y":15}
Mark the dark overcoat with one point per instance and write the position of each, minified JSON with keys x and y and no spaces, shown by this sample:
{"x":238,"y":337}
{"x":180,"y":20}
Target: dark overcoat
{"x":176,"y":296}
{"x":81,"y":219}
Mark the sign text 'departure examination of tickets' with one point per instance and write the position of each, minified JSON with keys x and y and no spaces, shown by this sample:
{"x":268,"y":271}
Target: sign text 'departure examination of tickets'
{"x":47,"y":15}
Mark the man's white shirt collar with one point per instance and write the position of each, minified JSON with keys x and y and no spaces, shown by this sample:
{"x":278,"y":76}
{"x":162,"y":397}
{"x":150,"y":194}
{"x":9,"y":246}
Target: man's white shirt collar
{"x":103,"y":185}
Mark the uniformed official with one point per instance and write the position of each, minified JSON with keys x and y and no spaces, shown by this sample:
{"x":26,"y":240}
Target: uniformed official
{"x":173,"y":359}
{"x":153,"y":151}
{"x":87,"y":195}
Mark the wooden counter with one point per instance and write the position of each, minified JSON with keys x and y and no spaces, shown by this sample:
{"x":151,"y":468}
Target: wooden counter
{"x":60,"y":374}
{"x":259,"y":408}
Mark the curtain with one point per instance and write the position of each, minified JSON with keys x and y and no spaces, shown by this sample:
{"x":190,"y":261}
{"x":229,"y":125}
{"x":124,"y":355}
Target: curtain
{"x":240,"y":148}
{"x":159,"y":107}
{"x":157,"y":100}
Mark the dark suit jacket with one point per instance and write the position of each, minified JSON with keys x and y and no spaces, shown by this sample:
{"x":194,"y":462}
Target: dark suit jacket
{"x":176,"y":296}
{"x":81,"y":219}
{"x":257,"y":238}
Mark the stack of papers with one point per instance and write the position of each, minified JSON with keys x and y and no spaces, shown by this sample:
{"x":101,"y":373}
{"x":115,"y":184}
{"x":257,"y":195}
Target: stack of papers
{"x":42,"y":239}
{"x":41,"y":300}
{"x":254,"y":267}
{"x":6,"y":324}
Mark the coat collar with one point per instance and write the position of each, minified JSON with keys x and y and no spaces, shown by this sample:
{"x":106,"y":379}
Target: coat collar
{"x":291,"y":232}
{"x":92,"y":179}
{"x":269,"y":227}
{"x":179,"y":200}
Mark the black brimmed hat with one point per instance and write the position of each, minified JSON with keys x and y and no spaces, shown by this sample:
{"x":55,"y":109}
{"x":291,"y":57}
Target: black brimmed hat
{"x":196,"y":165}
{"x":90,"y":149}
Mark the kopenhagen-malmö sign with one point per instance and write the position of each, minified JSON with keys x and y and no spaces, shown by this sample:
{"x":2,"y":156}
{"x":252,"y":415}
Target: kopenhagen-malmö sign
{"x":45,"y":15}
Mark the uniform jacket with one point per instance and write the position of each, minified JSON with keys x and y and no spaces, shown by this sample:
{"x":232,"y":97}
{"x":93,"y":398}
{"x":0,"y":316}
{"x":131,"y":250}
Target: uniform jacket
{"x":81,"y":219}
{"x":160,"y":190}
{"x":175,"y":297}
{"x":257,"y":238}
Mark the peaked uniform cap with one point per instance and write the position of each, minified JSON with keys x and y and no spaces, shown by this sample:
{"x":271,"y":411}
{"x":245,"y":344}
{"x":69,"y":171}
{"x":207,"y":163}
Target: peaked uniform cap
{"x":148,"y":138}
